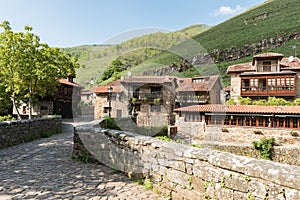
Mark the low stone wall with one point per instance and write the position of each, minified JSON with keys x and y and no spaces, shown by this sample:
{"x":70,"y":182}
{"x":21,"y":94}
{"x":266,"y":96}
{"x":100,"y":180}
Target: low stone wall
{"x":16,"y":132}
{"x":183,"y":172}
{"x":282,"y":154}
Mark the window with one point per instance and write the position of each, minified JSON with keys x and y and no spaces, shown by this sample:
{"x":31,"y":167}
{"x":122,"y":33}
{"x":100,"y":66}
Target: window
{"x":295,"y":122}
{"x":155,"y":89}
{"x":290,"y":82}
{"x":260,"y":121}
{"x":245,"y":84}
{"x":137,"y":107}
{"x":44,"y":108}
{"x":106,"y":109}
{"x":198,"y":80}
{"x":192,"y":117}
{"x":267,"y":66}
{"x":281,"y":122}
{"x":271,"y":83}
{"x":253,"y":83}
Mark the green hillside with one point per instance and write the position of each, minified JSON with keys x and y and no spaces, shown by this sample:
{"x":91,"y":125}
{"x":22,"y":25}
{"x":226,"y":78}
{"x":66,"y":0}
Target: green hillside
{"x":272,"y":19}
{"x":277,"y":20}
{"x":96,"y":58}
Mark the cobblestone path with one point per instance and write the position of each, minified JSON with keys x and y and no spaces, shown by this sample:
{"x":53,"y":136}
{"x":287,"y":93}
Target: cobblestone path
{"x":43,"y":169}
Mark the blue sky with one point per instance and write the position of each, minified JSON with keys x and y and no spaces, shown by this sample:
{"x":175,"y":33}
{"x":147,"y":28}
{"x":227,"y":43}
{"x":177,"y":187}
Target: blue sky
{"x":67,"y":23}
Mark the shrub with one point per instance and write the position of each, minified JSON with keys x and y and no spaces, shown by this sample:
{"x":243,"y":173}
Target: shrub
{"x":111,"y":123}
{"x":294,"y":133}
{"x":224,"y":129}
{"x":264,"y":146}
{"x":165,"y":138}
{"x":7,"y":118}
{"x":258,"y":132}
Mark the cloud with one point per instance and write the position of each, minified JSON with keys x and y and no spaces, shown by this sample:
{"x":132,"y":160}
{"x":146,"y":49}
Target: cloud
{"x":227,"y":10}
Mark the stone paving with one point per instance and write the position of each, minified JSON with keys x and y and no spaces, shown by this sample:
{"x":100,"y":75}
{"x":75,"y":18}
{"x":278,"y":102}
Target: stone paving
{"x":43,"y":169}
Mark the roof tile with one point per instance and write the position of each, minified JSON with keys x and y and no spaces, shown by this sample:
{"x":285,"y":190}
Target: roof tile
{"x":241,"y":109}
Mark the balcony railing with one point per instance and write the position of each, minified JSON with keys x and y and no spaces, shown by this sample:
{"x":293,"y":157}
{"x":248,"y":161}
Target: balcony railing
{"x":193,"y":99}
{"x":155,"y":96}
{"x":269,"y":91}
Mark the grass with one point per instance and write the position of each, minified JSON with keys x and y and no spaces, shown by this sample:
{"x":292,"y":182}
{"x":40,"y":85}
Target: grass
{"x":96,"y":58}
{"x":271,"y":19}
{"x":283,"y":17}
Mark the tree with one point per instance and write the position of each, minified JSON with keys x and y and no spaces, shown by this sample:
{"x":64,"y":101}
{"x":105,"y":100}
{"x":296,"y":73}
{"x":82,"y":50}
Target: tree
{"x":30,"y":69}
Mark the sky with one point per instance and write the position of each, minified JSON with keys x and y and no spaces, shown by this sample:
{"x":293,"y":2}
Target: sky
{"x":69,"y":23}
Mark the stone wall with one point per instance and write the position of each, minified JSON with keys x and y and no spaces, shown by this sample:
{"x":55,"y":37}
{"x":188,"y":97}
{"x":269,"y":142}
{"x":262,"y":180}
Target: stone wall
{"x":183,"y":172}
{"x":16,"y":132}
{"x":238,"y":140}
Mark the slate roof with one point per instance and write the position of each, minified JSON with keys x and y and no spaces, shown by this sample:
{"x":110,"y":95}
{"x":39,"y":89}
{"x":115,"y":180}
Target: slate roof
{"x":241,"y":109}
{"x":187,"y":84}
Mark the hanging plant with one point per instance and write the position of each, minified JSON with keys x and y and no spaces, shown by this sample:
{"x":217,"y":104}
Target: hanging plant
{"x":157,"y":101}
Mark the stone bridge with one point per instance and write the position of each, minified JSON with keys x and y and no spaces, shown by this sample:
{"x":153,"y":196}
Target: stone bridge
{"x":43,"y":169}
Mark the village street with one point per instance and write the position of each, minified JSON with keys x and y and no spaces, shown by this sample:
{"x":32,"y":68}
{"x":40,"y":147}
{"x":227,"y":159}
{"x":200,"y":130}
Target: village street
{"x":43,"y":169}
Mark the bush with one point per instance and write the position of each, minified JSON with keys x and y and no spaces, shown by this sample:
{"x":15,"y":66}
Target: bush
{"x":7,"y":118}
{"x":264,"y":146}
{"x":258,"y":132}
{"x":294,"y":133}
{"x":225,"y":130}
{"x":111,"y":123}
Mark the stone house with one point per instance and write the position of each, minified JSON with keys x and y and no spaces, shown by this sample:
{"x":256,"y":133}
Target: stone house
{"x":269,"y":74}
{"x":198,"y":90}
{"x":151,"y":100}
{"x":65,"y":101}
{"x":197,"y":120}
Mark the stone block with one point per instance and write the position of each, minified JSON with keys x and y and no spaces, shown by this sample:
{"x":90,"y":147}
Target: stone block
{"x":185,"y":193}
{"x":178,"y":177}
{"x":292,"y":194}
{"x":239,"y":195}
{"x":223,"y":193}
{"x":237,"y":182}
{"x":198,"y":184}
{"x":178,"y":165}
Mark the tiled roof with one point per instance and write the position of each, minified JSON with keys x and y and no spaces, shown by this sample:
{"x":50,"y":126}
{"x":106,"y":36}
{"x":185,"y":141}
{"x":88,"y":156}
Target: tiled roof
{"x":149,"y":79}
{"x":241,"y":109}
{"x":286,"y":64}
{"x":116,"y":87}
{"x":241,"y":67}
{"x":64,"y":81}
{"x":249,"y":67}
{"x":189,"y":86}
{"x":267,"y":55}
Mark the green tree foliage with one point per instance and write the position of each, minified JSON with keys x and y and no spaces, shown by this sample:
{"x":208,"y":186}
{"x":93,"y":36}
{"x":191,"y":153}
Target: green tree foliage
{"x":30,"y":69}
{"x":112,"y":70}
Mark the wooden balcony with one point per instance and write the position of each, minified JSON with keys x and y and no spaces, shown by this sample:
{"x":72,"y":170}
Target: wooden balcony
{"x":192,"y":99}
{"x":156,"y":97}
{"x":280,"y":92}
